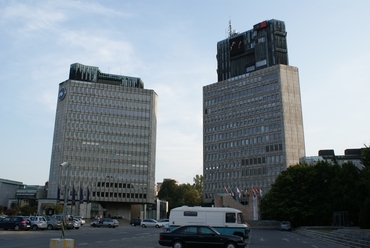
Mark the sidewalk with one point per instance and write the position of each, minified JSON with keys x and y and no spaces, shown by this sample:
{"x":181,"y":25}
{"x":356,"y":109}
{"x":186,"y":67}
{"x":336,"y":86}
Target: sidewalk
{"x":345,"y":236}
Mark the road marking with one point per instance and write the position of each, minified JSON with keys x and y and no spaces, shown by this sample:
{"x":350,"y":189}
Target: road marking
{"x":287,"y":240}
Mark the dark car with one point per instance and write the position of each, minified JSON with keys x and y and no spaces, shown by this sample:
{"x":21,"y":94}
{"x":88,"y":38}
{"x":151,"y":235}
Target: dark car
{"x":199,"y":236}
{"x":15,"y":222}
{"x":135,"y":222}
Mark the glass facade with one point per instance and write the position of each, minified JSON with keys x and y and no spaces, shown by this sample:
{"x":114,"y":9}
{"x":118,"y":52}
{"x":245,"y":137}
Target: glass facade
{"x":107,"y":134}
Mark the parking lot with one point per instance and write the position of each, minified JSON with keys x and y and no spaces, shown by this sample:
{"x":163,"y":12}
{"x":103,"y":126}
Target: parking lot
{"x":123,"y":236}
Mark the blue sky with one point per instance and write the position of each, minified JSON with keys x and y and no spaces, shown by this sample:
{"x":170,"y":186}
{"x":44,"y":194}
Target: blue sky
{"x":171,"y":46}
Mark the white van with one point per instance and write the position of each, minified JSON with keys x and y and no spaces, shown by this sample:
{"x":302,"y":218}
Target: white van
{"x":224,"y":220}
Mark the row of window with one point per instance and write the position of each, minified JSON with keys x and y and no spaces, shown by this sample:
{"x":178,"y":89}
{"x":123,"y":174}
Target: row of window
{"x":118,"y":149}
{"x":241,"y":82}
{"x":108,"y":120}
{"x":113,"y":91}
{"x":245,"y":113}
{"x":110,"y":111}
{"x":119,"y":195}
{"x":124,"y":172}
{"x":269,"y":102}
{"x":113,"y":102}
{"x":273,"y":86}
{"x":217,"y":174}
{"x":101,"y":137}
{"x":243,"y":132}
{"x":99,"y":127}
{"x":246,"y":122}
{"x":217,"y":155}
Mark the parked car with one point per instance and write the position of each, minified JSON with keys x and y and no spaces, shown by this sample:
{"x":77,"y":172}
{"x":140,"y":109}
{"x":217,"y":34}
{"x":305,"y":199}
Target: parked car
{"x":69,"y":220}
{"x":80,"y":219}
{"x":164,"y":223}
{"x":53,"y":224}
{"x":150,"y":223}
{"x":199,"y":236}
{"x":38,"y":222}
{"x":135,"y":222}
{"x":105,"y":222}
{"x":15,"y":222}
{"x":76,"y":224}
{"x":285,"y":226}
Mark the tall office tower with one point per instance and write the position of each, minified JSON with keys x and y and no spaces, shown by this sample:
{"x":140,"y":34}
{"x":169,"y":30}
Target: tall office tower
{"x":105,"y":129}
{"x":252,"y":117}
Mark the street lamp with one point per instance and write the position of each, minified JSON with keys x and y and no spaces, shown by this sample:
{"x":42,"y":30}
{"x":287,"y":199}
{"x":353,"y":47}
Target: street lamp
{"x":65,"y":165}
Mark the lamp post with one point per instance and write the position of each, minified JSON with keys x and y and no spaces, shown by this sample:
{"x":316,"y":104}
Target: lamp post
{"x":65,"y":165}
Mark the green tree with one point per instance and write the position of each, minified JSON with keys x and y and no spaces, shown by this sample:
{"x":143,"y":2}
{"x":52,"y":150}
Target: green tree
{"x":27,"y":210}
{"x":198,"y":183}
{"x":364,"y":189}
{"x":179,"y":195}
{"x":287,"y":198}
{"x":187,"y":195}
{"x":58,"y":208}
{"x":168,"y":191}
{"x":12,"y":211}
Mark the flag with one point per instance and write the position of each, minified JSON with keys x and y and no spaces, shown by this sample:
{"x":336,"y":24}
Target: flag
{"x":238,"y":191}
{"x":226,"y":191}
{"x":247,"y":193}
{"x":81,"y":196}
{"x":73,"y":196}
{"x":234,"y":193}
{"x":58,"y":194}
{"x":88,"y":195}
{"x":261,"y":192}
{"x":254,"y":192}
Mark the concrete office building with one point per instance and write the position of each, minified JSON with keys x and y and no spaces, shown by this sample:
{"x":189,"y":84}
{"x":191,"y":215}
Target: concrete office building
{"x":252,"y":117}
{"x":105,"y":129}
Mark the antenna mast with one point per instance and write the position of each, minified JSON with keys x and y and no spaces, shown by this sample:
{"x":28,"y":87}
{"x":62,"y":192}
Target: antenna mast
{"x":230,"y":29}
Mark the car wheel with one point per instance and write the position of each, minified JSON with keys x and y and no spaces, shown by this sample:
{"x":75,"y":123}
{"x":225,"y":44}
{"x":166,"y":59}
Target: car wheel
{"x":50,"y":227}
{"x":93,"y":225}
{"x":230,"y":245}
{"x":34,"y":228}
{"x":177,"y":244}
{"x":17,"y":227}
{"x":143,"y":226}
{"x":76,"y":227}
{"x":157,"y":226}
{"x":109,"y":226}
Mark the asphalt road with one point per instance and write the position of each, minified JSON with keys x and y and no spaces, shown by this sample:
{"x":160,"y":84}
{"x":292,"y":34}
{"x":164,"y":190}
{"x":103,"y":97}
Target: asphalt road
{"x":138,"y":237}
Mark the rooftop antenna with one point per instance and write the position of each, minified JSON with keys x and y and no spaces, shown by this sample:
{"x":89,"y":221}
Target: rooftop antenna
{"x":230,"y":29}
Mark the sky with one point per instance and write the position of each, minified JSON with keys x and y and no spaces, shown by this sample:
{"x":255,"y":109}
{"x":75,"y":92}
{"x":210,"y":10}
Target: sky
{"x":171,"y":45}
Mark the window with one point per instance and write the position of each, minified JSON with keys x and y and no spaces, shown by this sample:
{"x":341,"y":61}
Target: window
{"x":190,"y":213}
{"x":230,"y":217}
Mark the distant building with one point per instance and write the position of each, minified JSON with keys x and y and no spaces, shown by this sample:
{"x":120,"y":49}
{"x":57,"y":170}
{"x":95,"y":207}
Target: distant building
{"x":8,"y":190}
{"x":105,"y":129}
{"x":252,"y":117}
{"x":350,"y":155}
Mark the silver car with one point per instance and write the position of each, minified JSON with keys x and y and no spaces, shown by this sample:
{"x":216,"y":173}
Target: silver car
{"x":151,"y":223}
{"x":38,"y":222}
{"x":107,"y":222}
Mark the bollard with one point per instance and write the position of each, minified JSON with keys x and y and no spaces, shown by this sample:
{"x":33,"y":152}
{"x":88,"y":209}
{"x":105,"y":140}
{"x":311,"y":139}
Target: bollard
{"x":62,"y":243}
